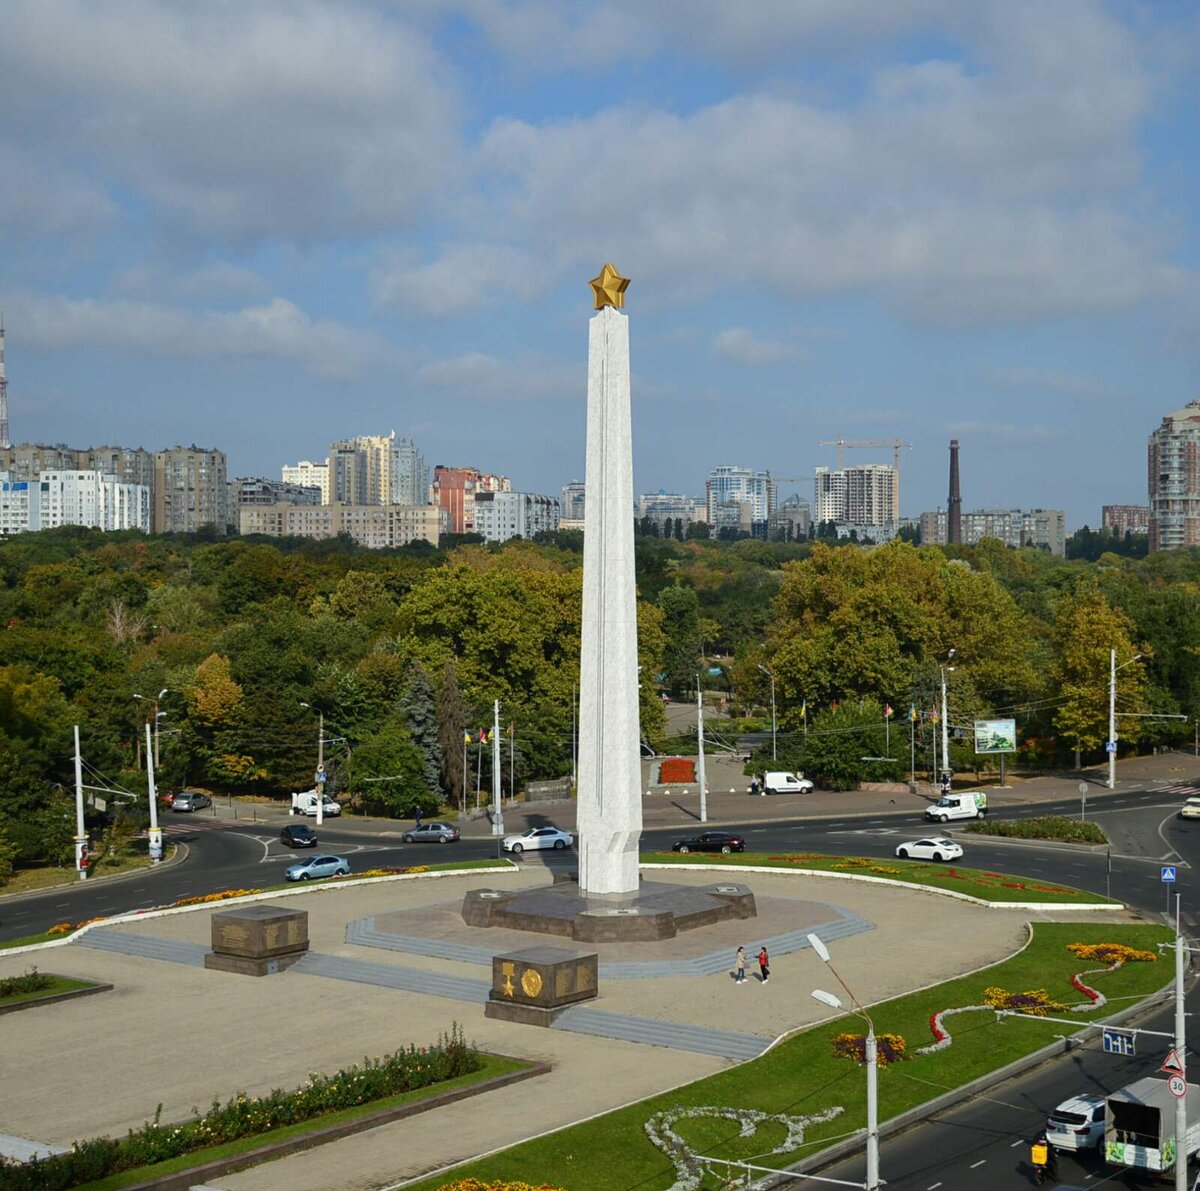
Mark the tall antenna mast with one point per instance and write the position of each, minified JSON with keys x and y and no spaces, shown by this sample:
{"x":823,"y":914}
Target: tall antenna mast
{"x":4,"y":443}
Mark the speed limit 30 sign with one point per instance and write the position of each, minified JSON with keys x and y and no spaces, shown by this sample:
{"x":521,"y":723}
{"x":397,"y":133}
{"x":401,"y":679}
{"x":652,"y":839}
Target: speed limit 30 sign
{"x":1177,"y":1086}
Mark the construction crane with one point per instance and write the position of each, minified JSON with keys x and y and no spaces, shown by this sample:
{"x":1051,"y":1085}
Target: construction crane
{"x":842,"y":443}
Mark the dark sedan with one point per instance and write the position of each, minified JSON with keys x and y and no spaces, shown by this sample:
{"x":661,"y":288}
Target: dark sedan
{"x":711,"y":841}
{"x":296,"y":835}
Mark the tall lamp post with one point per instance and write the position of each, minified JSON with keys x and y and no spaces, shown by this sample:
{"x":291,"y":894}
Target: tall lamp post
{"x":873,"y":1182}
{"x":946,"y":715}
{"x":771,"y":676}
{"x":157,"y":699}
{"x":1111,"y":745}
{"x":319,"y":780}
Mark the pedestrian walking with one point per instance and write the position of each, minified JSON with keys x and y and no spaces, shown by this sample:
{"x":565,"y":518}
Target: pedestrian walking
{"x":739,"y":966}
{"x":754,"y":785}
{"x":764,"y":963}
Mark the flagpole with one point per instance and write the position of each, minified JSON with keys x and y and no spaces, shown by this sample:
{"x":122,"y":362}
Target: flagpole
{"x":912,"y":746}
{"x":887,"y":731}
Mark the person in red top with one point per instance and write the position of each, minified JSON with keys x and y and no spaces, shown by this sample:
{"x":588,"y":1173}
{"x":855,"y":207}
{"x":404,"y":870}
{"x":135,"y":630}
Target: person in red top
{"x":764,"y":963}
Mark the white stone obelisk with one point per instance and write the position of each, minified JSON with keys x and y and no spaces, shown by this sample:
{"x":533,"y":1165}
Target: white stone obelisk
{"x":610,"y":798}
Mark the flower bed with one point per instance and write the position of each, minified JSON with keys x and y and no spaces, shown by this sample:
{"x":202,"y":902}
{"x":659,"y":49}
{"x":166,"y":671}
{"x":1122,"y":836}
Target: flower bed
{"x":246,"y":1116}
{"x":29,"y":982}
{"x":677,"y":771}
{"x":1052,"y":827}
{"x":889,"y":1048}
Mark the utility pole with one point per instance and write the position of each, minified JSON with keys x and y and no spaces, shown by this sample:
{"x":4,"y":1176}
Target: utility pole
{"x":156,"y":848}
{"x":497,"y":813}
{"x":81,"y":842}
{"x":946,"y":717}
{"x":320,"y":782}
{"x":700,"y":759}
{"x":1112,"y":719}
{"x":1181,"y":1155}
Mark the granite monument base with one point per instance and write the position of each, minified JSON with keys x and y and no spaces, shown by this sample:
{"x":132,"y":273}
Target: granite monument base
{"x":534,"y":985}
{"x":656,"y":911}
{"x":257,"y":940}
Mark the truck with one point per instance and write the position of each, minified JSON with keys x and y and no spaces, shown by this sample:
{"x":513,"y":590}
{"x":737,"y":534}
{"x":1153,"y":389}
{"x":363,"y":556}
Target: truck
{"x":1139,"y":1129}
{"x":957,"y":806}
{"x":305,"y":803}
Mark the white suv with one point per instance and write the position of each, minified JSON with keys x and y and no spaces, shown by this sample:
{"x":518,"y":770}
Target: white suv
{"x":1077,"y":1124}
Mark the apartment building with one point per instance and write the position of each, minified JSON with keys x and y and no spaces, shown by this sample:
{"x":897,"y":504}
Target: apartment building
{"x":1126,"y":518}
{"x":739,"y":497}
{"x":374,"y":526}
{"x":1041,"y":528}
{"x":1173,"y":480}
{"x":500,"y":516}
{"x":864,"y":498}
{"x":307,"y":474}
{"x":190,"y":490}
{"x":454,"y":489}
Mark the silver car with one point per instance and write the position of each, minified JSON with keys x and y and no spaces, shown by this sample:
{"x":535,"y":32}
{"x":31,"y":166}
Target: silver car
{"x":190,"y":800}
{"x":431,"y":833}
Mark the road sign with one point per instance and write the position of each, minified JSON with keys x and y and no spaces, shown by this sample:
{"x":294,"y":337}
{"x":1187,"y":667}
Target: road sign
{"x":1171,"y":1064}
{"x":1168,"y":873}
{"x":1083,"y":787}
{"x":1177,"y":1086}
{"x":1119,"y":1042}
{"x":1110,"y":746}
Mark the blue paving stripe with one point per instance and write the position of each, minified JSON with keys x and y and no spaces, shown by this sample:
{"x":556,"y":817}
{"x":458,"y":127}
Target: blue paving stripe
{"x":365,"y":933}
{"x":433,"y":984}
{"x":144,"y":946}
{"x":726,"y":1044}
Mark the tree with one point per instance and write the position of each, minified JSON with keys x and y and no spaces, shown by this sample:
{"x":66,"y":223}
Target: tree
{"x":390,"y":774}
{"x":680,"y":608}
{"x":213,"y":696}
{"x":698,"y":531}
{"x":451,"y":725}
{"x":843,"y":746}
{"x":1086,"y":630}
{"x":420,"y":717}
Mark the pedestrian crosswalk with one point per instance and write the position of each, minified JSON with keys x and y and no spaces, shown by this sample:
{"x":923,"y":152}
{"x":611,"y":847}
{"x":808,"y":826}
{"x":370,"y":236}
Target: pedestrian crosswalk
{"x":1184,"y":788}
{"x":190,"y":826}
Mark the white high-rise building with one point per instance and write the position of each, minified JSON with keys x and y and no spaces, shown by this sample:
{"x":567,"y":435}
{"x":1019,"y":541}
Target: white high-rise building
{"x":864,"y":498}
{"x":92,"y":499}
{"x":739,"y":497}
{"x":1173,"y":480}
{"x":306,"y":474}
{"x":500,"y":516}
{"x":20,"y":505}
{"x":410,"y":474}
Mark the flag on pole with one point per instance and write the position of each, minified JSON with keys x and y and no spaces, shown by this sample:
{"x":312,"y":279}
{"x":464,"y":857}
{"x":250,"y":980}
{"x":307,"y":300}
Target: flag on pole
{"x":933,"y":715}
{"x":804,"y":709}
{"x":466,"y":738}
{"x":835,"y":705}
{"x":912,"y":712}
{"x":483,"y":736}
{"x":888,"y":711}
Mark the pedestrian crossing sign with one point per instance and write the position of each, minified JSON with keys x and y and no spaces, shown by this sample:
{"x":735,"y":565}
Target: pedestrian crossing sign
{"x":1168,"y":873}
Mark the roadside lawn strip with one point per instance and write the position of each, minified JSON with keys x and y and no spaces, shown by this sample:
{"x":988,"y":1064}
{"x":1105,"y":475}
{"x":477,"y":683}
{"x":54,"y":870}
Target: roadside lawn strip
{"x":974,"y":882}
{"x":493,"y":1065}
{"x":801,"y":1075}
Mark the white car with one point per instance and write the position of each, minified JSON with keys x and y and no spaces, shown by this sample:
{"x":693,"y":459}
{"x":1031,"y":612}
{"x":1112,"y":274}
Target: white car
{"x":1190,"y":809}
{"x":538,"y":837}
{"x":1077,"y":1124}
{"x":930,"y":849}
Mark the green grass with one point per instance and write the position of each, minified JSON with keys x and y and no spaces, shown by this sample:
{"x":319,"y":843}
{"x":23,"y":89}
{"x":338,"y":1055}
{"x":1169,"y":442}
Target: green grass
{"x":494,"y":1065}
{"x":1052,"y":827}
{"x":989,"y":886}
{"x":802,"y":1076}
{"x":58,"y":984}
{"x":29,"y":940}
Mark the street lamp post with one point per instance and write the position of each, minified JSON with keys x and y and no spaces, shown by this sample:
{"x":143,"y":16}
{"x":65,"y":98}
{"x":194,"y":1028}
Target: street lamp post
{"x":771,"y":676}
{"x":319,"y":779}
{"x":153,"y":716}
{"x":155,"y":833}
{"x":1111,"y":745}
{"x":946,"y":716}
{"x":873,"y":1182}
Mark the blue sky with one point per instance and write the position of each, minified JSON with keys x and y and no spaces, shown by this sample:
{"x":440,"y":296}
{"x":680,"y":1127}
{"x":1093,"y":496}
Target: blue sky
{"x":263,"y":227}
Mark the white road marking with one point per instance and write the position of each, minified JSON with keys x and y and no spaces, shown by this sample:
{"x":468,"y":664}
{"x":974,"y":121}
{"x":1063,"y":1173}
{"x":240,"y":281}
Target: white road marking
{"x":933,"y":1187}
{"x":1171,"y":851}
{"x":981,"y":1162}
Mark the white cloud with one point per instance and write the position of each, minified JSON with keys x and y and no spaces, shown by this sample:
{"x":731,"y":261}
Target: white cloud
{"x":292,"y":120}
{"x":477,"y":375}
{"x":742,"y":345}
{"x":277,"y":329}
{"x":1049,"y":380}
{"x":1002,"y":431}
{"x":461,"y":278}
{"x":216,"y":282}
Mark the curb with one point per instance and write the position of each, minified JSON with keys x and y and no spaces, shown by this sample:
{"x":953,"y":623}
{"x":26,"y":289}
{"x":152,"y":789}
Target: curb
{"x":180,"y":855}
{"x":302,"y":887}
{"x":182,"y":1180}
{"x":921,"y":1112}
{"x":909,"y":885}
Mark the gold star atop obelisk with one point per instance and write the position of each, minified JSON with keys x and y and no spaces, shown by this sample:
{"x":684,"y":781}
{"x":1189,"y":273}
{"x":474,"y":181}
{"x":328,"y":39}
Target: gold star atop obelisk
{"x":609,"y":288}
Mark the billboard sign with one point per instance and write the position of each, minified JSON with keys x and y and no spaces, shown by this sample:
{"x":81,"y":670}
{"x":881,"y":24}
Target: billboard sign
{"x":995,"y":736}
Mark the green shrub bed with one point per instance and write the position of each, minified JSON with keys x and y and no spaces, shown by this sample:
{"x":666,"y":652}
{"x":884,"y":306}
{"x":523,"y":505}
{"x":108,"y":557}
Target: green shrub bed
{"x":32,"y":981}
{"x":1051,"y":827}
{"x":244,"y":1116}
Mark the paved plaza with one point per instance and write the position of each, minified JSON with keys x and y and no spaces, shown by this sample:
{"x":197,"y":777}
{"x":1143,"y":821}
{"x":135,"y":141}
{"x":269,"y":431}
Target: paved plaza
{"x":390,"y":965}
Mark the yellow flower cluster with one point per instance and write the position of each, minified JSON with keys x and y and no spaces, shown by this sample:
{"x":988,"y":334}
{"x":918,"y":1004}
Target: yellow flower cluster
{"x":205,"y":898}
{"x":471,"y":1184}
{"x":1035,"y":1000}
{"x":1111,"y":953}
{"x":61,"y":928}
{"x":889,"y":1048}
{"x":392,"y":872}
{"x":861,"y":862}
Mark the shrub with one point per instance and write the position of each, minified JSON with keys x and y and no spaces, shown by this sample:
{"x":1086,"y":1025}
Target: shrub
{"x":1053,"y":827}
{"x":31,"y":982}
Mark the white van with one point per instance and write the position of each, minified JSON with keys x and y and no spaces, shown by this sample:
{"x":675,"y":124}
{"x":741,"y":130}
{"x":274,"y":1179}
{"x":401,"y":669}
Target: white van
{"x":306,"y":804}
{"x":786,"y":783}
{"x":957,"y":806}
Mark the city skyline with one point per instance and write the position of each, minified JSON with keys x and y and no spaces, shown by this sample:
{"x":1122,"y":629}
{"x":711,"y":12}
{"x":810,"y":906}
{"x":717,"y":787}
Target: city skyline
{"x":946,"y":224}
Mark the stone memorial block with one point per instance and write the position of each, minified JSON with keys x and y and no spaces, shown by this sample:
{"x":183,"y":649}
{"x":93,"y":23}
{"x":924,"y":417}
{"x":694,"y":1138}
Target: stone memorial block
{"x":257,"y":940}
{"x":533,"y":985}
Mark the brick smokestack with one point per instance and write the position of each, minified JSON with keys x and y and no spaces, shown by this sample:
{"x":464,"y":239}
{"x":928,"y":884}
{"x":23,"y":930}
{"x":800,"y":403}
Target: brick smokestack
{"x":954,"y":505}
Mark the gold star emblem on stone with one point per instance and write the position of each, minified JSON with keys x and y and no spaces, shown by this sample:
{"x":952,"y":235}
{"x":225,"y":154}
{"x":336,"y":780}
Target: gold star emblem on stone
{"x":609,"y":288}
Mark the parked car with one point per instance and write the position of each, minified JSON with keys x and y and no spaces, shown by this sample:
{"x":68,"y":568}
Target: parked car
{"x":190,"y":800}
{"x":538,"y":837}
{"x":711,"y":841}
{"x":1190,"y":809}
{"x":1077,"y":1124}
{"x":318,"y":866}
{"x":296,"y":835}
{"x":930,"y":849}
{"x":431,"y":833}
{"x":786,"y":783}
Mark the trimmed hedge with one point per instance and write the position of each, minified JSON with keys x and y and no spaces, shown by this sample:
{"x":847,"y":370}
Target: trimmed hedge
{"x":1051,"y":827}
{"x":32,"y":981}
{"x":245,"y":1116}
